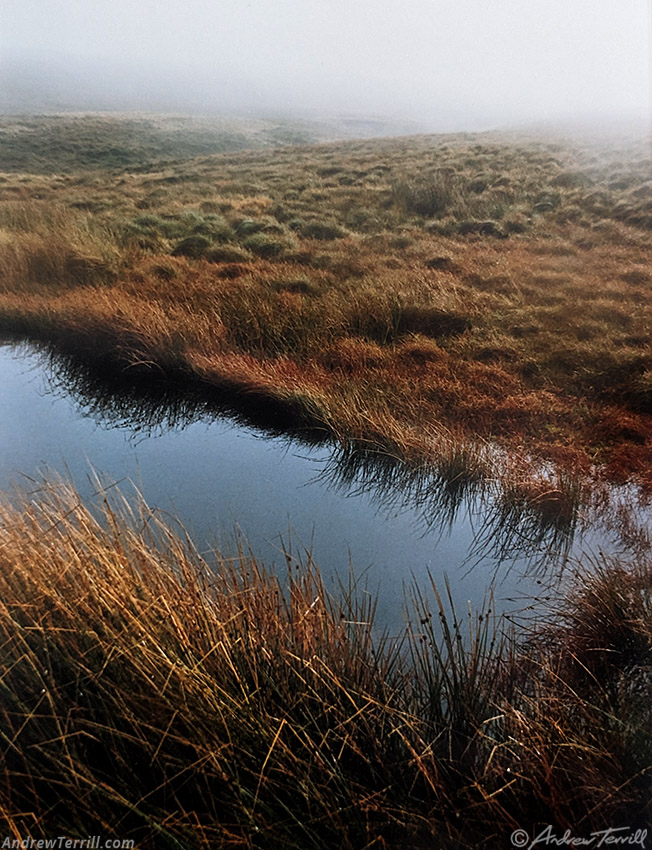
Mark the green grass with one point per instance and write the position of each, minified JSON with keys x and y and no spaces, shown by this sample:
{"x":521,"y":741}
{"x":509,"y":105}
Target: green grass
{"x":68,"y":142}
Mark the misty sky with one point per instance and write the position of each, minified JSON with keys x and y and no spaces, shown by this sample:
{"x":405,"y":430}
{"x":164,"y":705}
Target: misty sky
{"x":456,"y":62}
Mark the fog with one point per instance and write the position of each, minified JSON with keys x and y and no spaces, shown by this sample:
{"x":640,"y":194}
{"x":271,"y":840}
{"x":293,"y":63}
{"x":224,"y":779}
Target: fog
{"x":448,"y":64}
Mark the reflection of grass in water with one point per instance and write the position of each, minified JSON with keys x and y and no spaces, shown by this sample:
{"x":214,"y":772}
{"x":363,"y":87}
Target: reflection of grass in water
{"x":148,"y":406}
{"x":455,"y":482}
{"x":536,"y":514}
{"x":524,"y":513}
{"x":146,"y":696}
{"x":437,"y":493}
{"x":535,"y":520}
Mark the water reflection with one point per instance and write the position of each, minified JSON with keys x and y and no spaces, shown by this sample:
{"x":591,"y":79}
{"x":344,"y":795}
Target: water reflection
{"x":151,"y":406}
{"x":506,"y":526}
{"x":543,"y":531}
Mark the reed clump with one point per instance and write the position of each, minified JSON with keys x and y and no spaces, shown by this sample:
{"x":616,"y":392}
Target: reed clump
{"x":52,"y":248}
{"x":148,"y":694}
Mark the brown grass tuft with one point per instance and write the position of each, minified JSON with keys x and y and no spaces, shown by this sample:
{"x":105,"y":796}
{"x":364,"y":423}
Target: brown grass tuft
{"x":149,"y":695}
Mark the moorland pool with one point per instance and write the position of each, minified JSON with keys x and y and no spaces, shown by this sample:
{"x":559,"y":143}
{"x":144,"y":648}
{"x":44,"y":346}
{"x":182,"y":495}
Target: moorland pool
{"x":226,"y":480}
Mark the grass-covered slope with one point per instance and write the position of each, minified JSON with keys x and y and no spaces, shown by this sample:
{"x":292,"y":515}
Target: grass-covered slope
{"x":414,"y":294}
{"x":69,"y":142}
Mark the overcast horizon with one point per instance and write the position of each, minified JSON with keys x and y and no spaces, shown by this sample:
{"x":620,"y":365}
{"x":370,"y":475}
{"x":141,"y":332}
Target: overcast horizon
{"x":445,"y":65}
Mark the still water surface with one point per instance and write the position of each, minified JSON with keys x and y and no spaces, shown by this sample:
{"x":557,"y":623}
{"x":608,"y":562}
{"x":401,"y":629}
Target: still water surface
{"x":220,"y":477}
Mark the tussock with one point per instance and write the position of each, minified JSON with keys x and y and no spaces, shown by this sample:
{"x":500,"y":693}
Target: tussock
{"x":149,"y":695}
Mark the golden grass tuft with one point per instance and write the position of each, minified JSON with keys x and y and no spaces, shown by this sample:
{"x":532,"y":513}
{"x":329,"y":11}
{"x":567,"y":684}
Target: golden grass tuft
{"x":45,"y":246}
{"x":148,"y":694}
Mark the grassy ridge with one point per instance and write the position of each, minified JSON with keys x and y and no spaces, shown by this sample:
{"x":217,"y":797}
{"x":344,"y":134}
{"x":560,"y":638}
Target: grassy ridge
{"x":70,"y":142}
{"x":145,"y":695}
{"x":409,"y":294}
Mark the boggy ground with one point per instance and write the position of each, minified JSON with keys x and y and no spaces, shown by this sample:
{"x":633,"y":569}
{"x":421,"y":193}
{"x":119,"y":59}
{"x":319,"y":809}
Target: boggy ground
{"x":420,"y":296}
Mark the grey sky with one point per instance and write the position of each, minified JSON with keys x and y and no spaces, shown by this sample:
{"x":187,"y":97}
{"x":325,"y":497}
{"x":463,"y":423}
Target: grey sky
{"x":471,"y":61}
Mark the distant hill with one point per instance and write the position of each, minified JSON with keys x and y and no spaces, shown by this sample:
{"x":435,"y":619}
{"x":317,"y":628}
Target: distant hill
{"x":54,"y":143}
